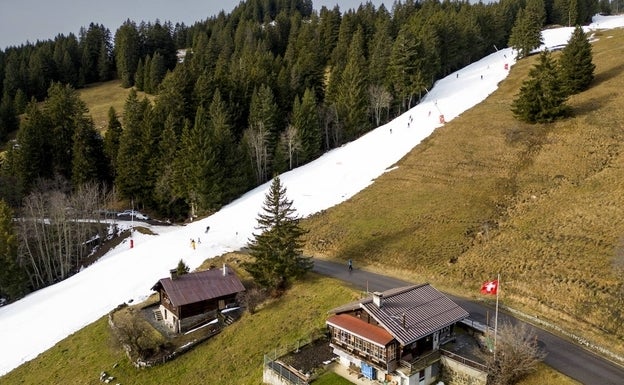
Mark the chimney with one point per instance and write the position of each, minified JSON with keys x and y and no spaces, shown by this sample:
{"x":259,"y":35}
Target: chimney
{"x":225,"y":272}
{"x":378,"y":298}
{"x":173,"y":273}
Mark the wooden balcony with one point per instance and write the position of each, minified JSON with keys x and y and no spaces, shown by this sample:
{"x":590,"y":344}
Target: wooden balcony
{"x":410,"y":365}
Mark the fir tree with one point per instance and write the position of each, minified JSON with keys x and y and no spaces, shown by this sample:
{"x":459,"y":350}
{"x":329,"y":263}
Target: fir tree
{"x":526,"y":34}
{"x":111,"y":139}
{"x":182,"y":268}
{"x":127,"y":44}
{"x":131,"y":165}
{"x":575,"y":62}
{"x":139,"y":76}
{"x":351,"y":98}
{"x":34,"y":151}
{"x":306,"y":121}
{"x":8,"y":117}
{"x":89,"y":162}
{"x":13,"y":277}
{"x":541,"y":98}
{"x":276,"y":249}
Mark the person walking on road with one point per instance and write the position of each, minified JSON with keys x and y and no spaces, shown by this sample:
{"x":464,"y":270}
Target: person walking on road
{"x":350,"y":265}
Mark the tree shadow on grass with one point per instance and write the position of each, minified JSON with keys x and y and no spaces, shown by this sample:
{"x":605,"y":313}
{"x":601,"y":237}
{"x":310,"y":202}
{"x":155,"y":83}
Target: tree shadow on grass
{"x":607,"y":75}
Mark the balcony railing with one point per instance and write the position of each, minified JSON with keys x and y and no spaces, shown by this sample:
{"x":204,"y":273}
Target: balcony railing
{"x":419,"y":362}
{"x":464,"y":360}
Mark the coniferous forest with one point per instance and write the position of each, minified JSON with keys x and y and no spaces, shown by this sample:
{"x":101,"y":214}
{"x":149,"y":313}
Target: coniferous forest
{"x":261,"y":90}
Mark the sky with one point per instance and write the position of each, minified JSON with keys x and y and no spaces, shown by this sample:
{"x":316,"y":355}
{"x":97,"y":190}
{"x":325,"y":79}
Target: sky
{"x":32,"y":20}
{"x":41,"y":319}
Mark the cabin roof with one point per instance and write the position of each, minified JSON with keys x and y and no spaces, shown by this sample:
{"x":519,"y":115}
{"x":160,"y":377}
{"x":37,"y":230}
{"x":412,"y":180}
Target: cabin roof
{"x":354,"y":325}
{"x":410,"y":313}
{"x":200,"y":286}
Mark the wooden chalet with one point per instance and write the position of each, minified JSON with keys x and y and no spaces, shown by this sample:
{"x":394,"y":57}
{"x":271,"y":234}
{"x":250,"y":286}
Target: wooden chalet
{"x":395,"y":336}
{"x":190,"y":299}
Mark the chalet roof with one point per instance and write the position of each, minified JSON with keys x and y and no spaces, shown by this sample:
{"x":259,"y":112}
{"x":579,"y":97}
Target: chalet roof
{"x":200,"y":286}
{"x":411,"y":312}
{"x":366,"y":331}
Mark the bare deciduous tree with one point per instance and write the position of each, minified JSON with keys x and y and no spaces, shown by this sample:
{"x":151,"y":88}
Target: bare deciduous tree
{"x":380,"y":100}
{"x":134,"y":332}
{"x":56,"y":230}
{"x":251,"y":298}
{"x":256,"y":138}
{"x":517,"y":355}
{"x":292,"y":144}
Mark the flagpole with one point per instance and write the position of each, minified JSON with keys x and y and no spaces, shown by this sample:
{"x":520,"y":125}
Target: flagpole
{"x":496,"y":316}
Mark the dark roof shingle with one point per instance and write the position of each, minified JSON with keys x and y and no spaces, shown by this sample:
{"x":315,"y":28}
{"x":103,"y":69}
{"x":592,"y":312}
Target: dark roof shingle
{"x":412,"y":312}
{"x":200,"y":286}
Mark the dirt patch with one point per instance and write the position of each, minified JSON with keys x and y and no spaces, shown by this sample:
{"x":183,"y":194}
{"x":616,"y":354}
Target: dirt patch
{"x":310,"y":356}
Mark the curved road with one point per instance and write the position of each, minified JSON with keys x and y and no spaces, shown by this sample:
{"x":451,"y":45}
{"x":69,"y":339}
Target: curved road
{"x":562,"y":355}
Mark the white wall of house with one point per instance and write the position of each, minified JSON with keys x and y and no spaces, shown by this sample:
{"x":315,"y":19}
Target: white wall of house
{"x":169,"y":318}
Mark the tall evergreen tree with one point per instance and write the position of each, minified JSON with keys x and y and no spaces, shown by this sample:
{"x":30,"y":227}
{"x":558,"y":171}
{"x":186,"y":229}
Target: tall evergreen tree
{"x":306,"y":121}
{"x":542,"y":97}
{"x":277,"y":248}
{"x":139,"y":76}
{"x":112,"y":137}
{"x":351,"y":99}
{"x":13,"y":278}
{"x":64,"y":110}
{"x":127,"y":52}
{"x":157,"y":71}
{"x":575,"y":63}
{"x":526,"y":34}
{"x":403,"y":65}
{"x":8,"y":116}
{"x":168,"y":198}
{"x":131,"y":165}
{"x":232,"y":173}
{"x":89,"y":164}
{"x":34,"y":152}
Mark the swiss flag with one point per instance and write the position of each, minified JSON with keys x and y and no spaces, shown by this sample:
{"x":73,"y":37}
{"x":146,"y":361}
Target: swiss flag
{"x":490,"y":287}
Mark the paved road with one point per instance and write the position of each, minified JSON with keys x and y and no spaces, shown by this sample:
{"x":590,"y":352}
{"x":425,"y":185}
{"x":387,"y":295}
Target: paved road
{"x":562,"y":355}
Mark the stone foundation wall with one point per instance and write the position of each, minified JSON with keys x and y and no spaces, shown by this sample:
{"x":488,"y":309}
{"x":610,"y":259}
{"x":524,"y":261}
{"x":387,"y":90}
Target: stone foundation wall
{"x":456,"y":373}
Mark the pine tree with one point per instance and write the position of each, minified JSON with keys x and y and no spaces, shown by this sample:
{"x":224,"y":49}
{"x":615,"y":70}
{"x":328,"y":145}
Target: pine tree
{"x":526,"y":34}
{"x":64,"y":110}
{"x":276,"y":249}
{"x":232,"y":173}
{"x":127,"y":52}
{"x":541,"y":98}
{"x":351,"y":98}
{"x":8,"y":117}
{"x":112,"y":136}
{"x":157,"y":71}
{"x":139,"y":76}
{"x":13,"y":278}
{"x":89,"y":163}
{"x":131,"y":164}
{"x":306,"y":121}
{"x":182,"y":268}
{"x":575,"y":63}
{"x":34,"y":151}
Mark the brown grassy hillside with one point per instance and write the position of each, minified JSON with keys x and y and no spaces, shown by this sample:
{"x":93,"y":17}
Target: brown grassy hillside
{"x":100,"y":97}
{"x":541,"y":204}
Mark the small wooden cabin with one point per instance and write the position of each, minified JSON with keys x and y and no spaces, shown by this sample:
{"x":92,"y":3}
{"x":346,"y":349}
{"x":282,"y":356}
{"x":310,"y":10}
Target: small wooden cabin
{"x":189,"y":299}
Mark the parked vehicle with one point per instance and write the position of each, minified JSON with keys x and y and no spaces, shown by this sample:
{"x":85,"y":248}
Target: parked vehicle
{"x":133,"y":213}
